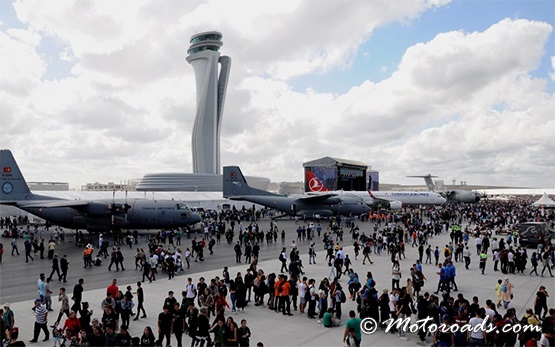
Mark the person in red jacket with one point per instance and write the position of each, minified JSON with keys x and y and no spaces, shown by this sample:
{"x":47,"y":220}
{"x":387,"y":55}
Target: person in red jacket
{"x":72,"y":323}
{"x":113,"y":288}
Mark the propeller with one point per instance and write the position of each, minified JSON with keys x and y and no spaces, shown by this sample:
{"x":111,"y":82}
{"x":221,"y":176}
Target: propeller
{"x":118,"y":208}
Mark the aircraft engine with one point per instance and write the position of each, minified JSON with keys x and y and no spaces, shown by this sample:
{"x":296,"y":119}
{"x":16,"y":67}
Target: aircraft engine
{"x":395,"y":205}
{"x":332,"y":201}
{"x":105,"y":208}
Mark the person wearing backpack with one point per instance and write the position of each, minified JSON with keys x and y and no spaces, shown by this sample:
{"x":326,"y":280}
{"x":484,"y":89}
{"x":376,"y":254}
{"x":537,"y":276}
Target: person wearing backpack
{"x":499,"y":291}
{"x":534,"y":261}
{"x":339,"y":298}
{"x":507,"y":292}
{"x":312,"y":302}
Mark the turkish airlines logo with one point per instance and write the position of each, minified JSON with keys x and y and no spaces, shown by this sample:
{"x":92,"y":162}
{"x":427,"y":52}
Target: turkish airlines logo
{"x":315,"y":185}
{"x":7,"y":169}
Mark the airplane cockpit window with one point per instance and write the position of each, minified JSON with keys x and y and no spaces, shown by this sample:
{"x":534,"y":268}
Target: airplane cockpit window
{"x":183,"y":207}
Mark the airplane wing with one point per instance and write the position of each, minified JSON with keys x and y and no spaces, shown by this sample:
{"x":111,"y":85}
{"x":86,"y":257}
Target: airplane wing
{"x":58,"y":203}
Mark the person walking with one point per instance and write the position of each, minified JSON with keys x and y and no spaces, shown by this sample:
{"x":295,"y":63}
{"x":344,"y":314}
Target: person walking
{"x":353,"y":323}
{"x":540,"y":302}
{"x":146,"y":264}
{"x":534,"y":261}
{"x":507,"y":292}
{"x":55,"y":267}
{"x":483,"y":261}
{"x":28,"y":249}
{"x":14,"y":246}
{"x":119,"y":259}
{"x":283,"y":259}
{"x":62,"y":297}
{"x":140,"y":301}
{"x":41,"y":321}
{"x":64,"y":266}
{"x":165,"y":323}
{"x":113,"y":259}
{"x":51,"y":248}
{"x":77,"y":295}
{"x":545,"y":263}
{"x":366,"y":253}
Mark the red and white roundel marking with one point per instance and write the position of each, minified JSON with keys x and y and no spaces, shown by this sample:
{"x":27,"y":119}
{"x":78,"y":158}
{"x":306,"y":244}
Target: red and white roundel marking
{"x":315,"y":185}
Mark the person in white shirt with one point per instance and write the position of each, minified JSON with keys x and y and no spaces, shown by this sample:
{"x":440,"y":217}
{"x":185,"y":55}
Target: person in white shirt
{"x":478,"y":244}
{"x":466,"y":256}
{"x":393,"y":298}
{"x":489,"y":311}
{"x":546,"y":336}
{"x":496,"y":258}
{"x":340,"y":254}
{"x":475,"y":336}
{"x":303,"y":287}
{"x":495,"y":244}
{"x":191,"y":291}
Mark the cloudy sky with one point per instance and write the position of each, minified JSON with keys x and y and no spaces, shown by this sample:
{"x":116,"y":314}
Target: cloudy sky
{"x":101,"y":91}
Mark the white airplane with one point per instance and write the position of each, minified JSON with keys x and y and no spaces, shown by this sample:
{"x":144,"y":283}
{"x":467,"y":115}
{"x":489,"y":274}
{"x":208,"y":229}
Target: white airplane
{"x":394,"y":200}
{"x":459,"y":195}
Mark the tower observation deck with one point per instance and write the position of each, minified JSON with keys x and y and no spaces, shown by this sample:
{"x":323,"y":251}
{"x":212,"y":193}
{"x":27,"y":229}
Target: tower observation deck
{"x":211,"y":76}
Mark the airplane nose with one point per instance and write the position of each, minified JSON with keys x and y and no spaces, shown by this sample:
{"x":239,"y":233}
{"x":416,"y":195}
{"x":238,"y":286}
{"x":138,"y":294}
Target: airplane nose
{"x":195,"y":218}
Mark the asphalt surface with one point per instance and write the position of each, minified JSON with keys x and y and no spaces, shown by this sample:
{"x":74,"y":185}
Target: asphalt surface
{"x":267,"y":326}
{"x":18,"y":279}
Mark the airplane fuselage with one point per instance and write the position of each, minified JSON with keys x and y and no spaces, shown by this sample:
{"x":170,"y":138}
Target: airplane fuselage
{"x":404,"y":198}
{"x":142,"y":214}
{"x":293,"y":206}
{"x":411,"y":198}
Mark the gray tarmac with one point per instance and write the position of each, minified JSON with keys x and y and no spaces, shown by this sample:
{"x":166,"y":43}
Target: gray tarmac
{"x":18,"y":286}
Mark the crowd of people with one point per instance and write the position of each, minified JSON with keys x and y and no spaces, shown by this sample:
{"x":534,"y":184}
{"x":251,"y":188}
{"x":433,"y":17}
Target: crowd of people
{"x":207,"y":308}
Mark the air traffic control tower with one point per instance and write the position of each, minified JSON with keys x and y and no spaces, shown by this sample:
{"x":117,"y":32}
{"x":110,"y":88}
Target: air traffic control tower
{"x":211,"y":75}
{"x":211,"y":86}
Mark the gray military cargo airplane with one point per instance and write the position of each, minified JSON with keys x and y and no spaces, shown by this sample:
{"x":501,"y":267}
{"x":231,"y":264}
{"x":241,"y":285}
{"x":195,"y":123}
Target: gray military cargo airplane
{"x":469,"y":196}
{"x":92,"y":215}
{"x":324,"y":205}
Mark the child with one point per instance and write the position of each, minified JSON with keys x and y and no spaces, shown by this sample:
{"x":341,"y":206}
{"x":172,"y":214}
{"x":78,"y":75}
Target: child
{"x":499,"y":292}
{"x":57,"y":334}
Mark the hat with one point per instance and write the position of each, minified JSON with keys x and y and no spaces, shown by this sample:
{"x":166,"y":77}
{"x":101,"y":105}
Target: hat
{"x":445,"y":316}
{"x":38,"y":300}
{"x":7,"y":304}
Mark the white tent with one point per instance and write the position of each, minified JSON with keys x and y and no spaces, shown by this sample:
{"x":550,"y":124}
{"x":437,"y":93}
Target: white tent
{"x":544,"y":201}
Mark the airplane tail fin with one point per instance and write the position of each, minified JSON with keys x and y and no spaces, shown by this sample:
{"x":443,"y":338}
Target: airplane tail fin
{"x":314,"y":184}
{"x":235,"y":184}
{"x":429,"y":181}
{"x":12,"y":183}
